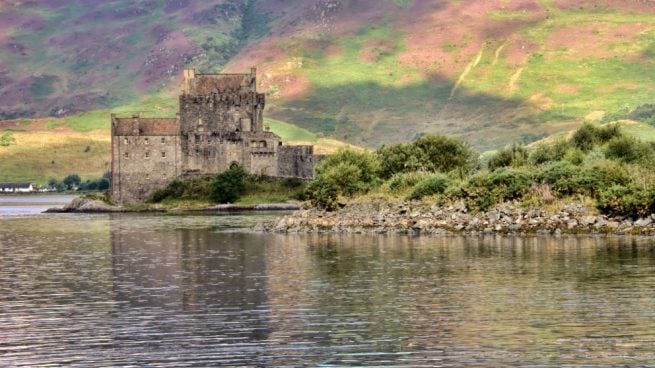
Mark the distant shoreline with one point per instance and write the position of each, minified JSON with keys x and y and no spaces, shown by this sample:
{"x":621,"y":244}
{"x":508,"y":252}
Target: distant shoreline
{"x":85,"y":205}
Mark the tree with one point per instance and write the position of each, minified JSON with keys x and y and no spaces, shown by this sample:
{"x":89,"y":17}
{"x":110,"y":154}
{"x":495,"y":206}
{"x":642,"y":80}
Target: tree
{"x":229,"y":185}
{"x":72,"y":181}
{"x":445,"y":154}
{"x":349,"y":171}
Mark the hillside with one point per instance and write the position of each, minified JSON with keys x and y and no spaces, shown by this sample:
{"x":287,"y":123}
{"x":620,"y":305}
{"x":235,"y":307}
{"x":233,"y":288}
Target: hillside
{"x":365,"y":71}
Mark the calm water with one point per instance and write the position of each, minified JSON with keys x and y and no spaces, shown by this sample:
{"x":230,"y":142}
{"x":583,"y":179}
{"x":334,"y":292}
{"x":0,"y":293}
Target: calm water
{"x":32,"y":204}
{"x":128,"y":290}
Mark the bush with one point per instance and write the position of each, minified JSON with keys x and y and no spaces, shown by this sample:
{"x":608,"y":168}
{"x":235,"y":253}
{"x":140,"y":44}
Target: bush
{"x":7,"y":139}
{"x":445,"y":154}
{"x":619,"y":200}
{"x":430,"y":185}
{"x":628,"y":149}
{"x":400,"y":158}
{"x":349,"y":172}
{"x":510,"y":184}
{"x":585,"y":137}
{"x":322,"y":194}
{"x":514,"y":156}
{"x":565,"y":178}
{"x":608,"y":132}
{"x":174,"y":190}
{"x":404,"y":181}
{"x":549,"y":152}
{"x":229,"y":185}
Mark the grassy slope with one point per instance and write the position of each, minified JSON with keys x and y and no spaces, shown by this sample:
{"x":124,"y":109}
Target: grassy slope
{"x":491,"y":73}
{"x":369,"y":72}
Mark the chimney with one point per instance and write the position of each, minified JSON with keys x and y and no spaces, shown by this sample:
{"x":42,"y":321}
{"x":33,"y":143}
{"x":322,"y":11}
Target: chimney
{"x":189,"y":75}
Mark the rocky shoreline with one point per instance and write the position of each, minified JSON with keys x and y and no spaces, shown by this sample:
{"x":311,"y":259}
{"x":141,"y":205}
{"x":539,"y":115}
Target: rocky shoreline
{"x":416,"y":218}
{"x":87,"y":205}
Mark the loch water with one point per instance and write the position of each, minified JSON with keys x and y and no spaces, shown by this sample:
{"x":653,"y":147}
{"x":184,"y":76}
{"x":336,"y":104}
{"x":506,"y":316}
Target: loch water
{"x":204,"y":290}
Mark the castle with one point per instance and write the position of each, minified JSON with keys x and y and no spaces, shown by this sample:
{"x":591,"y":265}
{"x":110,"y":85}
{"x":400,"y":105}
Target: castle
{"x":220,"y":124}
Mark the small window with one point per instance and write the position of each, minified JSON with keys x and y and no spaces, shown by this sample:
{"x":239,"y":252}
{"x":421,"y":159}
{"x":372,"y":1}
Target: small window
{"x":127,"y":140}
{"x":147,"y":154}
{"x":197,"y":138}
{"x":163,"y":154}
{"x":126,"y":155}
{"x":146,"y":141}
{"x":163,"y":140}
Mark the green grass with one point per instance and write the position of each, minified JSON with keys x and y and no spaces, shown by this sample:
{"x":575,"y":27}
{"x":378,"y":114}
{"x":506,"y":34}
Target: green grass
{"x":290,"y":132}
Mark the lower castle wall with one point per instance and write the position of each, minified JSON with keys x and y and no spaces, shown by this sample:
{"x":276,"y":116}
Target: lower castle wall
{"x":141,"y":165}
{"x":296,"y":161}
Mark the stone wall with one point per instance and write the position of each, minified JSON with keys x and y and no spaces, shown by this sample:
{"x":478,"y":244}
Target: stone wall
{"x":142,"y":164}
{"x":296,"y":161}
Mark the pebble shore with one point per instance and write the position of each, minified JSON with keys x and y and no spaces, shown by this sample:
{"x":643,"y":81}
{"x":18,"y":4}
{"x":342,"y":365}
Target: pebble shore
{"x":415,"y":218}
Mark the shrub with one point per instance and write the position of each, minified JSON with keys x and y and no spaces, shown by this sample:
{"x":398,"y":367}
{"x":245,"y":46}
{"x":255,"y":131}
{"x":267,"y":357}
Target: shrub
{"x":404,"y":181}
{"x":445,"y":154}
{"x":229,"y":185}
{"x":585,"y":137}
{"x":322,"y":194}
{"x":477,"y":192}
{"x":628,"y":149}
{"x":549,"y":152}
{"x":619,"y":200}
{"x":430,"y":185}
{"x":173,"y":190}
{"x":514,"y":156}
{"x":399,"y":158}
{"x":565,"y":178}
{"x":349,"y":171}
{"x":510,"y":184}
{"x":608,"y":132}
{"x":7,"y":139}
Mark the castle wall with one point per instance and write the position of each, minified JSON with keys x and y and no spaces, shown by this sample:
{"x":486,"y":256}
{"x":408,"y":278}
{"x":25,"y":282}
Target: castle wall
{"x":142,"y":165}
{"x":296,"y":161}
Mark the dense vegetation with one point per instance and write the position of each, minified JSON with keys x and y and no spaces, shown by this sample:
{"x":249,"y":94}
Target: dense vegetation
{"x":598,"y":164}
{"x":234,"y":185}
{"x":75,"y":183}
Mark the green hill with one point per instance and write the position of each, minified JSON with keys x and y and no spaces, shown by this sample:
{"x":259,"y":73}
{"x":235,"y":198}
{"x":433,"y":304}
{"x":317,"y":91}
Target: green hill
{"x":368,"y":72}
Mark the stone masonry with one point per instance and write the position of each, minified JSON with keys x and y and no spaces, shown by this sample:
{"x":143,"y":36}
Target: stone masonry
{"x":220,"y":123}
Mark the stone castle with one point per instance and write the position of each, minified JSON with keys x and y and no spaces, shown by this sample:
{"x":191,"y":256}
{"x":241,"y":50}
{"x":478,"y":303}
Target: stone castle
{"x":220,"y":124}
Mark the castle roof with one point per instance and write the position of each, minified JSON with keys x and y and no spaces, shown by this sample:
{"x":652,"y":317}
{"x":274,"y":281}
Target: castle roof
{"x":206,"y":84}
{"x":146,"y":126}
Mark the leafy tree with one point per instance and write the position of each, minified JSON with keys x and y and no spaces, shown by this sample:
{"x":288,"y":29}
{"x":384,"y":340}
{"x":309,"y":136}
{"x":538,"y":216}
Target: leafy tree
{"x":400,"y":158}
{"x":445,"y":154}
{"x":229,"y":185}
{"x":585,"y":137}
{"x":72,"y":181}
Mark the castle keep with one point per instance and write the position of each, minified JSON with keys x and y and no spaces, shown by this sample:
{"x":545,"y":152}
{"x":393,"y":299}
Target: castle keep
{"x":220,"y":124}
